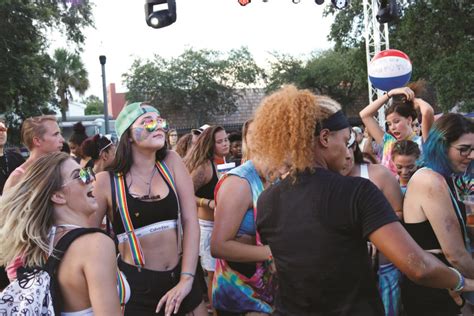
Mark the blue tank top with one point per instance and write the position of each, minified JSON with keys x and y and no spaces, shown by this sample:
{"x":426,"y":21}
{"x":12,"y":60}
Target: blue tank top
{"x":247,"y":171}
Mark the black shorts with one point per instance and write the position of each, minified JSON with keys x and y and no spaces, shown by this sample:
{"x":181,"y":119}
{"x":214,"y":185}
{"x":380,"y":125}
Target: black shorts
{"x":148,"y":287}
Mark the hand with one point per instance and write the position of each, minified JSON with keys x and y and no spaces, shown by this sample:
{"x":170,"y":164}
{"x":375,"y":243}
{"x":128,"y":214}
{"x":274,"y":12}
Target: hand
{"x":456,"y":297}
{"x":174,"y":297}
{"x":407,"y":92}
{"x":212,"y":204}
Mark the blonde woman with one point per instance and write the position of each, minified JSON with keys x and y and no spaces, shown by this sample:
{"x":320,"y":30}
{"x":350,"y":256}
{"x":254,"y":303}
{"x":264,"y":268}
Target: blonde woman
{"x":315,"y":219}
{"x":53,"y":199}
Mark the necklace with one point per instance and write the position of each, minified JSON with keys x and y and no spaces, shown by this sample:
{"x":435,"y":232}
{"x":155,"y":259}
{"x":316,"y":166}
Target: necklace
{"x":146,"y":196}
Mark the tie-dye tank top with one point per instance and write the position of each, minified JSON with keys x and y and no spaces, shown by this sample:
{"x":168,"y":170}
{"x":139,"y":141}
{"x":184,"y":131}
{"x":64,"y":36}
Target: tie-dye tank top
{"x":231,"y":290}
{"x":388,"y":143}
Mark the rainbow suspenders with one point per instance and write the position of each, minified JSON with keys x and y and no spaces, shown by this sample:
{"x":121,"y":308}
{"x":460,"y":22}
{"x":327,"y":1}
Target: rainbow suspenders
{"x":135,"y":247}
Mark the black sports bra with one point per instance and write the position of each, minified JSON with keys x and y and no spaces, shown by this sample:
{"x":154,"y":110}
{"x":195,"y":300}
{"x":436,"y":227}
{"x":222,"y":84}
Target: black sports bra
{"x":207,"y":191}
{"x":146,"y":213}
{"x":423,"y":234}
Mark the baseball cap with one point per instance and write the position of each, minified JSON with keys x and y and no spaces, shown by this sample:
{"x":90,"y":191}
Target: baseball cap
{"x":129,"y":114}
{"x":198,"y":131}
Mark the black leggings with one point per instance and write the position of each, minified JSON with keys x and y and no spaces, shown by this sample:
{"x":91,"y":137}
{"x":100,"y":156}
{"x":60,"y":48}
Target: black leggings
{"x":148,"y":287}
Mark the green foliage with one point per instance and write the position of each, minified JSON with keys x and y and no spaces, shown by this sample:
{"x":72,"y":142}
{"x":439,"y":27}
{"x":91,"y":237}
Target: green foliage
{"x":339,"y":74}
{"x":25,"y":67}
{"x":436,"y":34}
{"x":68,"y":73}
{"x":94,"y":105}
{"x":202,"y":83}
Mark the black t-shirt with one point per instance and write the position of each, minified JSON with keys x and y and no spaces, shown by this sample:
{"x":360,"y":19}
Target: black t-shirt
{"x":317,"y":229}
{"x":14,"y":161}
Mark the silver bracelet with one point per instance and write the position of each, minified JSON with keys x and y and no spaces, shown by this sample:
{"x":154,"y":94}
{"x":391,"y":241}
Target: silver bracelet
{"x":187,"y":273}
{"x":460,"y":286}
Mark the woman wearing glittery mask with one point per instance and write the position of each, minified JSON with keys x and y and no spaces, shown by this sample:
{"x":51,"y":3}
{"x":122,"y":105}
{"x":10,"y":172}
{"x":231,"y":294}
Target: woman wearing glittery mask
{"x":148,"y":196}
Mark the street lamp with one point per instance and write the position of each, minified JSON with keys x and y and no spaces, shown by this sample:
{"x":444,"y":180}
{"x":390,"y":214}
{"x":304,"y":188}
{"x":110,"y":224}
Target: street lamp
{"x":102,"y":60}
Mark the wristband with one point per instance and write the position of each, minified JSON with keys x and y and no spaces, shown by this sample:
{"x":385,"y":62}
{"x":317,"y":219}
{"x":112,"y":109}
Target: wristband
{"x":200,"y":202}
{"x":460,"y":286}
{"x":187,"y":273}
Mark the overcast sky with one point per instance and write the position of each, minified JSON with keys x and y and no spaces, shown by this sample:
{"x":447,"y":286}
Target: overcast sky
{"x":122,"y":34}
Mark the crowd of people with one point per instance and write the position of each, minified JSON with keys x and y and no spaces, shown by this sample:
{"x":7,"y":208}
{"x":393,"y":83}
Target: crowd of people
{"x":314,"y":217}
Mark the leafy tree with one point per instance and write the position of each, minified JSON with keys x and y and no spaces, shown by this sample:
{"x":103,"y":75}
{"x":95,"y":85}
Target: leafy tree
{"x":94,"y":105}
{"x":25,"y":67}
{"x":339,"y":74}
{"x":68,"y":73}
{"x":436,"y":34}
{"x":202,"y":83}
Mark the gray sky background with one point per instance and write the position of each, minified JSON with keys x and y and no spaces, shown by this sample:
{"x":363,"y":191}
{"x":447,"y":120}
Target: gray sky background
{"x":122,"y":34}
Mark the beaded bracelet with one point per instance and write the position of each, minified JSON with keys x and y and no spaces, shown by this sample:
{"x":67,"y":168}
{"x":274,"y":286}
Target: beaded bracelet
{"x":200,"y":202}
{"x":461,"y":283}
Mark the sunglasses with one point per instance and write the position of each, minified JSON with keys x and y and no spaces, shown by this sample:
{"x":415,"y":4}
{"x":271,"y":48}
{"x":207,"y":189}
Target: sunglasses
{"x":86,"y":175}
{"x":152,"y":125}
{"x":3,"y":129}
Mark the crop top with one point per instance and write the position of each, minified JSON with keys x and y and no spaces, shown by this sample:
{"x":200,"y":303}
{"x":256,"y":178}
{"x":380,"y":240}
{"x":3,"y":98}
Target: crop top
{"x":144,"y":213}
{"x":207,"y":190}
{"x":423,"y":234}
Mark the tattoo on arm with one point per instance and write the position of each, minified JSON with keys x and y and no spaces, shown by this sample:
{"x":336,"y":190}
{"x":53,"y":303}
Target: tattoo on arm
{"x":199,"y":178}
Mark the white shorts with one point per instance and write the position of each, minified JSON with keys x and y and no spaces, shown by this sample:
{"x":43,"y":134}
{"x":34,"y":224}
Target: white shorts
{"x":207,"y":261}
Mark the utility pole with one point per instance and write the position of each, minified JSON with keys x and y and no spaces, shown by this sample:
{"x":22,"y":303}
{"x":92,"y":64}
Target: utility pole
{"x":102,"y":60}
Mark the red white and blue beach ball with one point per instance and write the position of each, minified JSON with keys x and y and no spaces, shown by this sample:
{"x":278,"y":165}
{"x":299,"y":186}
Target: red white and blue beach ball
{"x":390,"y":69}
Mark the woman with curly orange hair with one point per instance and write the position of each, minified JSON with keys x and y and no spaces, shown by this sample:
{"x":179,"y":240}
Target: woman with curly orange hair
{"x":315,"y":219}
{"x":202,"y":160}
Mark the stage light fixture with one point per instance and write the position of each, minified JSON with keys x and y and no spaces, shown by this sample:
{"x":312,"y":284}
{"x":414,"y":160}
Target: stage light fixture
{"x":160,"y":18}
{"x":319,"y":1}
{"x":340,"y":4}
{"x":388,"y":11}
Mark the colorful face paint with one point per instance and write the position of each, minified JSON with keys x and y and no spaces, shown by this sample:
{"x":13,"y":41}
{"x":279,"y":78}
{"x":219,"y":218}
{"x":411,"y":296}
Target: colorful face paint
{"x":140,"y":134}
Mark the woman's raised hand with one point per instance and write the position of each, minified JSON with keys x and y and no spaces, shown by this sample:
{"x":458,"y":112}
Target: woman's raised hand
{"x":407,"y":92}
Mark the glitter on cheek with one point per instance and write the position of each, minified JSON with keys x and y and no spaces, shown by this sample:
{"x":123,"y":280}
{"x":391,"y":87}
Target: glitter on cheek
{"x":140,"y":134}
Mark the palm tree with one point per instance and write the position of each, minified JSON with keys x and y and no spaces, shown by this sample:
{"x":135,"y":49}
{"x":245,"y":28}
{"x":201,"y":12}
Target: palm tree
{"x":69,"y":73}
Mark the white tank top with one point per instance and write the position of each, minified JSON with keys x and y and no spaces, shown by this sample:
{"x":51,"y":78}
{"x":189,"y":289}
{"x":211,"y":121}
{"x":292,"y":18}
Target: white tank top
{"x":364,"y":171}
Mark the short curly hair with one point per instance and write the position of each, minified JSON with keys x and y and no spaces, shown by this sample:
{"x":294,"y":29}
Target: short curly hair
{"x":285,"y":129}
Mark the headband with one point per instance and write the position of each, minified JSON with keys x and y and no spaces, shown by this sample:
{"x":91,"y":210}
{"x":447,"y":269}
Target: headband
{"x":335,"y":122}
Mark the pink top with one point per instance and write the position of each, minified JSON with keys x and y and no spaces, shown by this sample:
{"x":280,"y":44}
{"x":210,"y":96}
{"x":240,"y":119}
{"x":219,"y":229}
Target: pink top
{"x":13,"y":266}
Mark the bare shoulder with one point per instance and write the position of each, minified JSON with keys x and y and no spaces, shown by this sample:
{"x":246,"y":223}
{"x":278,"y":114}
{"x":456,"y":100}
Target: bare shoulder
{"x":428,"y":178}
{"x":235,"y":182}
{"x":102,"y":180}
{"x":379,"y":171}
{"x":172,"y":158}
{"x":93,"y":245}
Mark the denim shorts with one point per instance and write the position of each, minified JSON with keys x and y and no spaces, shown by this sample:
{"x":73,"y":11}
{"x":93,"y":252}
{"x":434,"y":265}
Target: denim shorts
{"x":148,"y":287}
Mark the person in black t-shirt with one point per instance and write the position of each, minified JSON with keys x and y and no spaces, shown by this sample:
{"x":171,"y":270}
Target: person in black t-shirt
{"x":9,"y":161}
{"x":317,"y":221}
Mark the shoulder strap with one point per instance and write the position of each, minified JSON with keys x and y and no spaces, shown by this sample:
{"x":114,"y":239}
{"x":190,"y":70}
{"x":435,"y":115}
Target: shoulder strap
{"x":460,"y":218}
{"x":121,"y":198}
{"x":114,"y":203}
{"x":52,"y":264}
{"x":166,"y":174}
{"x":364,"y":171}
